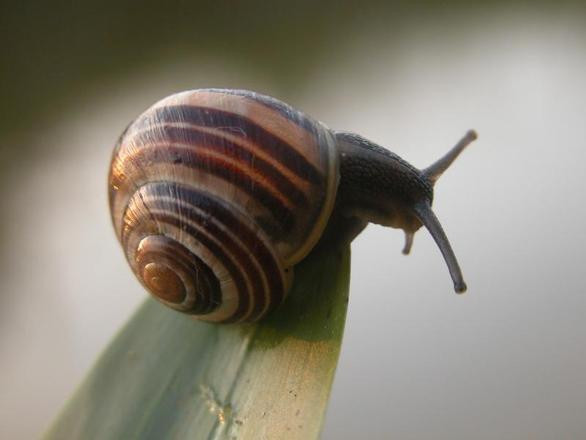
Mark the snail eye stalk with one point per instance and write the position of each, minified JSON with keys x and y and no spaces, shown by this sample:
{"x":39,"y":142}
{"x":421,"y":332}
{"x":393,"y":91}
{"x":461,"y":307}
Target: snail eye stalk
{"x":427,"y":217}
{"x":435,"y":170}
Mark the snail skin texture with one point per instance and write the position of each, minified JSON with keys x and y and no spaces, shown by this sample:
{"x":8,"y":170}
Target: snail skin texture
{"x":217,"y":194}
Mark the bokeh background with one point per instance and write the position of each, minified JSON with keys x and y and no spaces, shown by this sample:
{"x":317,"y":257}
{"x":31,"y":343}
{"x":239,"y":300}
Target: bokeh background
{"x":507,"y":360}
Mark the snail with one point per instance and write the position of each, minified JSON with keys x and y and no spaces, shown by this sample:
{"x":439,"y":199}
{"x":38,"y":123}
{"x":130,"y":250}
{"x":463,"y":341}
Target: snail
{"x":216,"y":194}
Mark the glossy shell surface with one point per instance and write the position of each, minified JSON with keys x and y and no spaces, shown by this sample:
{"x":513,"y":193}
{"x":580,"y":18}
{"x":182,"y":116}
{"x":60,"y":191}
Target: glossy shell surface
{"x":216,"y":194}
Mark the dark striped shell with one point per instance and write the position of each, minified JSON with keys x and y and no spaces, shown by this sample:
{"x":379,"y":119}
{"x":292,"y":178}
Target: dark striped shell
{"x":216,"y":194}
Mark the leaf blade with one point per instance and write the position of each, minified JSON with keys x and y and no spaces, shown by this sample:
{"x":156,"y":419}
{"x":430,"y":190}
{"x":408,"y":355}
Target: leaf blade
{"x":168,"y":376}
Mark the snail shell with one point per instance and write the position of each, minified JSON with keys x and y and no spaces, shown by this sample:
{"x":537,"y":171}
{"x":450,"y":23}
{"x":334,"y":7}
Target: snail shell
{"x":216,"y":194}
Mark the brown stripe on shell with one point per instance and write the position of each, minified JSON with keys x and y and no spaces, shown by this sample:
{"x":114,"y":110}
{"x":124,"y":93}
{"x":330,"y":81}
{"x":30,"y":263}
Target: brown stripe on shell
{"x":253,"y":107}
{"x":249,"y":238}
{"x":133,"y":169}
{"x":271,"y":103}
{"x":239,"y":126}
{"x":199,"y":139}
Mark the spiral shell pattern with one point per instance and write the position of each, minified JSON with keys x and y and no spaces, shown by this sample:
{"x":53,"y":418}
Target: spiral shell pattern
{"x":215,"y":195}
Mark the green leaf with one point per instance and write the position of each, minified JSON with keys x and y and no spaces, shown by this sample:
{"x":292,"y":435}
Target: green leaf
{"x":167,"y":376}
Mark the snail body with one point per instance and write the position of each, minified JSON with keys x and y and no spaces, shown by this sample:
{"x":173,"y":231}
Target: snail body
{"x":217,"y":194}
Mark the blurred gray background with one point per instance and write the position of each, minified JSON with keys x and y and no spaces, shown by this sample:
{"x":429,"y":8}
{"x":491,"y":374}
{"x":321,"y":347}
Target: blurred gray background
{"x":507,"y":360}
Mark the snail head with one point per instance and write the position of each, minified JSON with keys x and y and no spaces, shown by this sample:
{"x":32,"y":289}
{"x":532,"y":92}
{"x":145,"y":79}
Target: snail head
{"x":380,"y":186}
